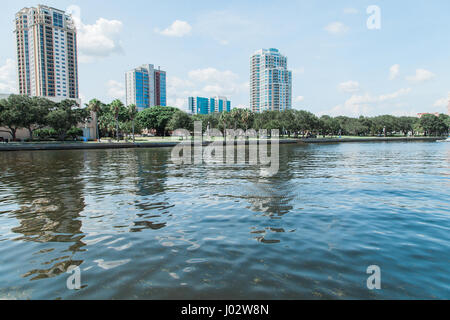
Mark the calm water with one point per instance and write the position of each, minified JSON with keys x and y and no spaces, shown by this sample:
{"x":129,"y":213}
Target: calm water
{"x":140,"y":227}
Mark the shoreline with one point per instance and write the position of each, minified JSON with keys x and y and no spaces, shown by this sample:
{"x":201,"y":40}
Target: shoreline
{"x":372,"y":139}
{"x":123,"y":145}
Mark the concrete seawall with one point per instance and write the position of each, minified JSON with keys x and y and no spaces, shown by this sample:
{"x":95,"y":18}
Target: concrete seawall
{"x":382,"y":139}
{"x":99,"y":146}
{"x":103,"y":146}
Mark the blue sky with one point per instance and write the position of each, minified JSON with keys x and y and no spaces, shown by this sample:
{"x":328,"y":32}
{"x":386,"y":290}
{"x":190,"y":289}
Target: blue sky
{"x":339,"y":65}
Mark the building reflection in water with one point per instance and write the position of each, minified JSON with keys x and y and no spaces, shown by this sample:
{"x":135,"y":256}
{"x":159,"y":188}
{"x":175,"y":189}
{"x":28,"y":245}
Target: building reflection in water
{"x":151,"y":201}
{"x":273,"y":197}
{"x":50,"y":195}
{"x":269,"y":197}
{"x":51,"y":189}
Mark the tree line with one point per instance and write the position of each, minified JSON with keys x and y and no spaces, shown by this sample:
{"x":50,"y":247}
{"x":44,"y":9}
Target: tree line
{"x":305,"y":124}
{"x":41,"y":117}
{"x":45,"y":120}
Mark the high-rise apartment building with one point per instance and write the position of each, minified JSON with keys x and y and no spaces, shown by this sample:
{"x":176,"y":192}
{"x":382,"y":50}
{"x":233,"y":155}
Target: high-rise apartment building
{"x":200,"y":105}
{"x":47,"y":62}
{"x":270,"y":81}
{"x":146,"y":87}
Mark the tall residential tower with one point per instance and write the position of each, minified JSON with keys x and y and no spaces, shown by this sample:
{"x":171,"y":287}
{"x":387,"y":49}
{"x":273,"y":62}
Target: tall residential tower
{"x":270,"y":81}
{"x":146,"y":87}
{"x":47,"y":62}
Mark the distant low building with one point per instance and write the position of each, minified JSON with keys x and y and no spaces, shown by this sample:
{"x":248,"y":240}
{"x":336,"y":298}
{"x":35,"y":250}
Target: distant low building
{"x":420,"y":115}
{"x":200,"y":105}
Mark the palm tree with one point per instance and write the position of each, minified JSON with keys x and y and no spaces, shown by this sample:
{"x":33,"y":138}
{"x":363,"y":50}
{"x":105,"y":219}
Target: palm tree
{"x":116,"y":105}
{"x":247,"y":118}
{"x":95,"y":106}
{"x":132,"y":112}
{"x":235,"y":117}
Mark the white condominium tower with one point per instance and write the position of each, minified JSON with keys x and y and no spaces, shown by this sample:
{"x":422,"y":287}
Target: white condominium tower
{"x":47,"y":61}
{"x":270,"y":81}
{"x":146,"y":87}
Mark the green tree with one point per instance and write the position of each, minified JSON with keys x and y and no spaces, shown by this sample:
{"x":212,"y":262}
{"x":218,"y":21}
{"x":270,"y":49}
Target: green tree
{"x":65,"y":116}
{"x":325,"y":125}
{"x":247,"y":118}
{"x":12,"y":112}
{"x":106,"y":122}
{"x":274,"y":124}
{"x":261,"y":119}
{"x":180,"y":120}
{"x":132,"y":113}
{"x":236,"y":119}
{"x":226,"y":121}
{"x":306,"y":121}
{"x":211,"y":120}
{"x":433,"y":125}
{"x":38,"y":110}
{"x":329,"y":125}
{"x":156,"y":118}
{"x":406,"y":124}
{"x":443,"y":127}
{"x":385,"y":124}
{"x":287,"y":119}
{"x":116,"y":107}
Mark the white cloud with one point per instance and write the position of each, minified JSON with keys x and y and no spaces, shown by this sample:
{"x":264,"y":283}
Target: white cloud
{"x":99,"y":40}
{"x":179,"y":103}
{"x":336,"y":28}
{"x":175,"y":82}
{"x":299,"y":99}
{"x":349,"y":86}
{"x":8,"y":77}
{"x":366,"y":104}
{"x":395,"y":95}
{"x":443,"y":102}
{"x":403,"y":112}
{"x":177,"y":91}
{"x":351,"y":11}
{"x":421,"y":75}
{"x":115,"y":89}
{"x":177,"y":29}
{"x":394,"y":71}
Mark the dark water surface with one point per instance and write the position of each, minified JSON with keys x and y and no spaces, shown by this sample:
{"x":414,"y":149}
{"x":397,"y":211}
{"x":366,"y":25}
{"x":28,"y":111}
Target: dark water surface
{"x":139,"y":226}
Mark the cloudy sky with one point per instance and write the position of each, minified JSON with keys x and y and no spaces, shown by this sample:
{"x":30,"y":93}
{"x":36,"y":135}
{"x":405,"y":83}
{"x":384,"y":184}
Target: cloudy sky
{"x":339,"y":65}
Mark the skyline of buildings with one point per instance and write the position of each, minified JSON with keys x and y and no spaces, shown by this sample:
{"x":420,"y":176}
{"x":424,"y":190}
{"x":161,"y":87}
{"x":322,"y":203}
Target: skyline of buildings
{"x":270,"y":81}
{"x":47,"y":61}
{"x":47,"y":65}
{"x":201,"y":105}
{"x":145,"y":87}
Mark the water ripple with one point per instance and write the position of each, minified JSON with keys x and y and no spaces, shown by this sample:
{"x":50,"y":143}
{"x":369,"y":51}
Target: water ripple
{"x":139,"y":226}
